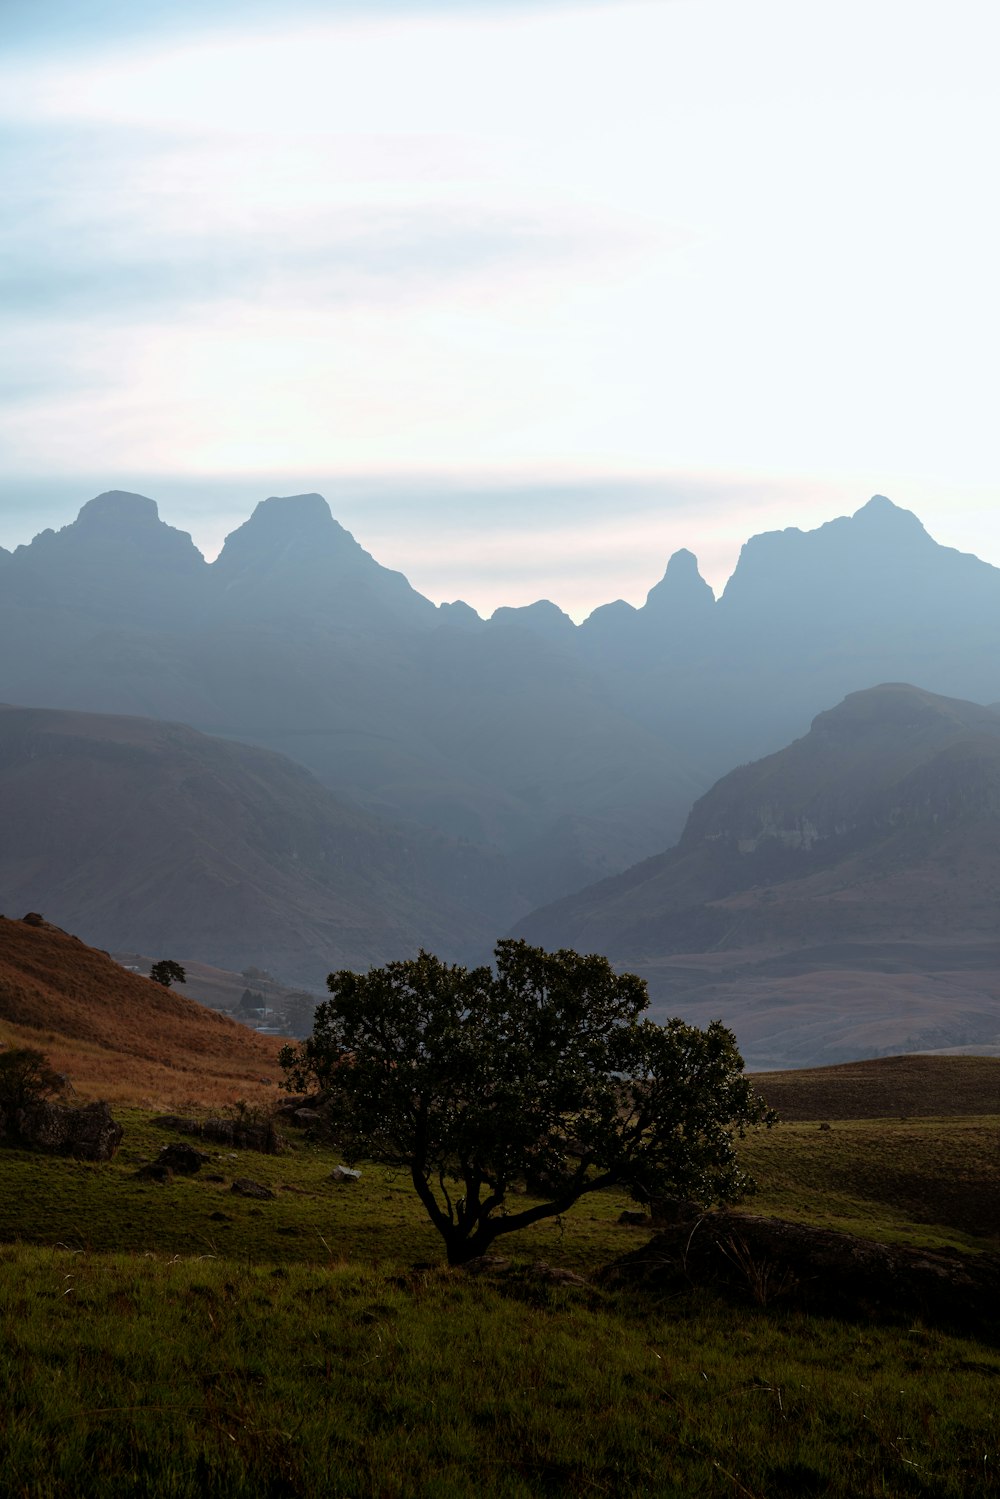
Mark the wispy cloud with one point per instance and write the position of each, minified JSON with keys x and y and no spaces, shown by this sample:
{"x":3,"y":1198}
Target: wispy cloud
{"x":637,"y":238}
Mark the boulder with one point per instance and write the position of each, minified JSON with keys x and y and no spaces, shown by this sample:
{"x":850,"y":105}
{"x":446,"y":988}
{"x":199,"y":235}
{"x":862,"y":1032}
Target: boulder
{"x":344,"y":1174}
{"x":244,"y":1187}
{"x":154,"y":1171}
{"x":306,"y":1117}
{"x":182,"y":1158}
{"x":88,"y":1133}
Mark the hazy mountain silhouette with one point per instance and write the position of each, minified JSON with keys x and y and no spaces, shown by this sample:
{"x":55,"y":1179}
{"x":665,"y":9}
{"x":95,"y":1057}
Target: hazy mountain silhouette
{"x":291,"y":559}
{"x":569,"y":751}
{"x":147,"y":835}
{"x":838,"y":898}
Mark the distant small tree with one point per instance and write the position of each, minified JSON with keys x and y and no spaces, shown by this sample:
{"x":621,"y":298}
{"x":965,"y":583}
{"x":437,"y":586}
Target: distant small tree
{"x":299,"y":1011}
{"x":539,"y":1072}
{"x":167,"y":972}
{"x":26,"y":1078}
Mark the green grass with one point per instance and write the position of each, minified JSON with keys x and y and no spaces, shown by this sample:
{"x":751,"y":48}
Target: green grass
{"x":131,"y":1375}
{"x":931,"y":1182}
{"x":315,"y":1344}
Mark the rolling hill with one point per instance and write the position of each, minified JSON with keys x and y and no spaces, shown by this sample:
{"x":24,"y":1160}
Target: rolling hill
{"x":147,"y":836}
{"x":838,"y":899}
{"x":116,"y":1035}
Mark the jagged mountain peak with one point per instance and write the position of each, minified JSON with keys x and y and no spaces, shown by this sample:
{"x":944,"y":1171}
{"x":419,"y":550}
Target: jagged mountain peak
{"x":890,"y":519}
{"x":542,"y":616}
{"x":460,"y":615}
{"x":118,"y":559}
{"x":294,"y":557}
{"x":283,"y":529}
{"x":117,"y":508}
{"x":809,"y":570}
{"x":682,"y":589}
{"x":295,"y":514}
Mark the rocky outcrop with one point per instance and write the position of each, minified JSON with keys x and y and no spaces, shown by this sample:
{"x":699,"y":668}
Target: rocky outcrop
{"x":182,"y":1158}
{"x":768,"y":1259}
{"x":88,"y":1133}
{"x":244,"y":1187}
{"x":238,"y":1134}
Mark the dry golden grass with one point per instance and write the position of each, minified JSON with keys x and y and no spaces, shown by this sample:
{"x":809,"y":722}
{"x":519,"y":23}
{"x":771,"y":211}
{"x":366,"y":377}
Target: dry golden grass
{"x":118,"y":1036}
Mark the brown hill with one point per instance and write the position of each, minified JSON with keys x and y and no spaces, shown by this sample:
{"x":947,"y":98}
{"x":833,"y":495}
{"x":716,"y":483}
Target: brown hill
{"x":147,"y":836}
{"x":835,"y":900}
{"x":887,"y":1088}
{"x":119,"y":1036}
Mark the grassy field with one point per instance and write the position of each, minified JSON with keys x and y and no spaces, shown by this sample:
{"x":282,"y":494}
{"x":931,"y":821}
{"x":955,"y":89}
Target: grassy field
{"x":181,"y":1340}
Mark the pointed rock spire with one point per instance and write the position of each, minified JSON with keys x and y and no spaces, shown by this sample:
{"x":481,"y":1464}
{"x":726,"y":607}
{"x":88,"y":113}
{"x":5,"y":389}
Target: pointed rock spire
{"x":682,"y":592}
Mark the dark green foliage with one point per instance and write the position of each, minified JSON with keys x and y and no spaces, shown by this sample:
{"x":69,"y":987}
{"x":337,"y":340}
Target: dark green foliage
{"x":26,"y":1078}
{"x":167,"y":972}
{"x":540,"y":1072}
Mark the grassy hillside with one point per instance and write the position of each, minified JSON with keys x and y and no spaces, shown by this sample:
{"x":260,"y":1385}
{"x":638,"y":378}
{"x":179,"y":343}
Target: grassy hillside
{"x":888,"y":1087}
{"x":116,"y":1035}
{"x":181,"y":1340}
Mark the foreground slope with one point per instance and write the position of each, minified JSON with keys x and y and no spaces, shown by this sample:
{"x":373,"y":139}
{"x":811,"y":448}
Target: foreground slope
{"x":147,"y":836}
{"x":837,"y":899}
{"x":116,"y":1035}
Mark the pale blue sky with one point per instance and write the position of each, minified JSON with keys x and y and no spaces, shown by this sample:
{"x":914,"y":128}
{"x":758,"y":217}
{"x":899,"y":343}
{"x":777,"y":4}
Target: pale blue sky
{"x":517,"y":285}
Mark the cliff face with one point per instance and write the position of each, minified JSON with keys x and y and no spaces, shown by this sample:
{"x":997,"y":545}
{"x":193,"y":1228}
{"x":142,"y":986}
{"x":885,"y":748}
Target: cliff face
{"x":868,"y":848}
{"x":885,"y":758}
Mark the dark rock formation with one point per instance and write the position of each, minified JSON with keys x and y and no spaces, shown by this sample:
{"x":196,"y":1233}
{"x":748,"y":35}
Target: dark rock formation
{"x":768,"y":1259}
{"x":239,"y":1135}
{"x":88,"y":1133}
{"x":244,"y":1187}
{"x":182,"y":1158}
{"x":155,"y":1171}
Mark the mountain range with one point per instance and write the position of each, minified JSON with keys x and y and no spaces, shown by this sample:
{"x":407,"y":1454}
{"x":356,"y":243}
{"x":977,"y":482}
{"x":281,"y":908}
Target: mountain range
{"x":570,"y":751}
{"x":454,"y":774}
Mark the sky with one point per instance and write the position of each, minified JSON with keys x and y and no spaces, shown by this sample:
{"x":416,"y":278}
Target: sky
{"x":534,"y":293}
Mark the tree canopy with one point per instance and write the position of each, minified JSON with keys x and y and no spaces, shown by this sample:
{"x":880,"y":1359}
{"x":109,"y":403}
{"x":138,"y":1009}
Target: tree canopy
{"x":539,"y":1071}
{"x":26,"y":1078}
{"x":167,"y":972}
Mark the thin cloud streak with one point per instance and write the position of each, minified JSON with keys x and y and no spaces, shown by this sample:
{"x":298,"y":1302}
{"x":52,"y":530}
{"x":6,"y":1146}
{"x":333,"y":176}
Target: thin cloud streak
{"x":520,"y":243}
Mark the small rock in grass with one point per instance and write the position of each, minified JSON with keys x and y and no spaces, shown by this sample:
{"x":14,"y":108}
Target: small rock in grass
{"x":344,"y":1174}
{"x":244,"y":1187}
{"x":182,"y":1158}
{"x":155,"y":1171}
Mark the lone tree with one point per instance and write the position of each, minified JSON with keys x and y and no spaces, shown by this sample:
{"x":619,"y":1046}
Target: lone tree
{"x":167,"y":972}
{"x":26,"y":1078}
{"x":540,"y":1071}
